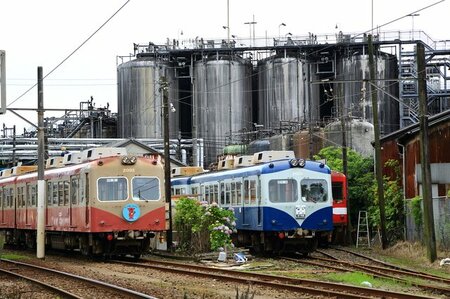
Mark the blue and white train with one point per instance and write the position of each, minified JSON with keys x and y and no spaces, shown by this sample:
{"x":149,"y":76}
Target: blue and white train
{"x":280,"y":206}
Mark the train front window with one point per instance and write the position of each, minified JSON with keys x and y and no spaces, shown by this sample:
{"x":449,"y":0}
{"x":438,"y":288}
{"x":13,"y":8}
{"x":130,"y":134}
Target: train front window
{"x":314,"y":190}
{"x":112,"y":189}
{"x":338,"y":191}
{"x":283,"y":190}
{"x":145,"y":188}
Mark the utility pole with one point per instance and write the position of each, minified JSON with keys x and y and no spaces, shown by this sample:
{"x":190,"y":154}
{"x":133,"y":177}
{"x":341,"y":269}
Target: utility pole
{"x":428,"y":218}
{"x":40,"y":236}
{"x":378,"y":166}
{"x":348,"y":232}
{"x":164,"y":87}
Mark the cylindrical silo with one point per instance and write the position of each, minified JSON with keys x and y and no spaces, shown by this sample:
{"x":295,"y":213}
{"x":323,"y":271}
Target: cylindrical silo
{"x":352,"y":70}
{"x":258,"y":146}
{"x":281,"y":142}
{"x":140,"y":99}
{"x":222,"y":102}
{"x":307,"y":143}
{"x":359,"y":135}
{"x":285,"y":94}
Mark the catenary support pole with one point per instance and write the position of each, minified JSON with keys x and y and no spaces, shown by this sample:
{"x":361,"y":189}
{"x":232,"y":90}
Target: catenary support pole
{"x":428,"y":218}
{"x":164,"y":85}
{"x":40,"y":237}
{"x":378,"y":166}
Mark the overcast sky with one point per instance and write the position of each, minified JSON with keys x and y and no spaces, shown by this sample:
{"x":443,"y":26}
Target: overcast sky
{"x":45,"y":32}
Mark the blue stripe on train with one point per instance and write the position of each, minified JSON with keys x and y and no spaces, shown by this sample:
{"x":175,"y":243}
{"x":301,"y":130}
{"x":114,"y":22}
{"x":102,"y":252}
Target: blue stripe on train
{"x":276,"y":220}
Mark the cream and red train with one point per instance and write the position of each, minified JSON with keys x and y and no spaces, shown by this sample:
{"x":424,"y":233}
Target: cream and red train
{"x":100,"y":201}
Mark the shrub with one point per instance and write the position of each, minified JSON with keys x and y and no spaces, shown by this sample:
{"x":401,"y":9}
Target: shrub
{"x":202,"y":227}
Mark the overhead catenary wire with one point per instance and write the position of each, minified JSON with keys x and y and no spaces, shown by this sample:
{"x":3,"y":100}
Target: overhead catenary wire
{"x":72,"y":53}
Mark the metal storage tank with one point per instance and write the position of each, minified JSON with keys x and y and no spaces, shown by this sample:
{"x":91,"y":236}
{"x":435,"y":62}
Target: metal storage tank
{"x":359,"y":135}
{"x":222,"y":101}
{"x":235,"y":149}
{"x":281,"y":142}
{"x":302,"y":145}
{"x":357,"y":94}
{"x":140,"y":100}
{"x":258,"y":146}
{"x":284,"y":92}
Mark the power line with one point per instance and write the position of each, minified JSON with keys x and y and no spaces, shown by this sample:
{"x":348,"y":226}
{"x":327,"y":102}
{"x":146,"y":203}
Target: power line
{"x":72,"y":53}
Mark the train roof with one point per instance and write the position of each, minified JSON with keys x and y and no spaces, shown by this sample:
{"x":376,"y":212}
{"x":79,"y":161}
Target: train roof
{"x":265,"y":168}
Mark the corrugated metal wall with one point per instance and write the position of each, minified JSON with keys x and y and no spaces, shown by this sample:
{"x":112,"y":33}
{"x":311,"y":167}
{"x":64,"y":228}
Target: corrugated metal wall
{"x":441,"y":212}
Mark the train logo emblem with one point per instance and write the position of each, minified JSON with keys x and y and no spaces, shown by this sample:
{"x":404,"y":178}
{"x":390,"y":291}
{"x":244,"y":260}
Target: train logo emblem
{"x":131,"y":212}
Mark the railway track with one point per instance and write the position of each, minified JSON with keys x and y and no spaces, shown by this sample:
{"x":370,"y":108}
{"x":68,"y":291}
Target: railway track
{"x":301,"y":286}
{"x":396,"y":269}
{"x":424,"y":281}
{"x":66,"y":284}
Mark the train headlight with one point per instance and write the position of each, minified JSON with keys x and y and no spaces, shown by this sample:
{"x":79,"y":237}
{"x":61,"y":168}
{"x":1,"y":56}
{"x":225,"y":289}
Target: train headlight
{"x":129,"y":160}
{"x":301,"y":163}
{"x":293,"y":162}
{"x":300,"y":212}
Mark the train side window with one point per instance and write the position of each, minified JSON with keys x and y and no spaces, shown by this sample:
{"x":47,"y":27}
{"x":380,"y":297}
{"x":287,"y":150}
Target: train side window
{"x":66,"y":193}
{"x":195,"y":192}
{"x":146,"y":188}
{"x":112,"y":189}
{"x":227,"y":193}
{"x":216,"y":193}
{"x":28,"y":195}
{"x":55,"y":193}
{"x":82,"y":190}
{"x":6,"y":197}
{"x":24,"y":199}
{"x":238,"y":193}
{"x":222,"y":194}
{"x":33,"y":195}
{"x":74,"y":190}
{"x":60,"y":193}
{"x":252,"y":192}
{"x":284,"y":190}
{"x":49,"y":193}
{"x":207,"y":195}
{"x":233,"y":193}
{"x":314,"y":190}
{"x":337,"y":190}
{"x":11,"y":197}
{"x":246,"y":192}
{"x":19,"y":197}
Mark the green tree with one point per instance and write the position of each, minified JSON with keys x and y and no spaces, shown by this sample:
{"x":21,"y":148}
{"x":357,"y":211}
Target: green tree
{"x":394,"y":204}
{"x":360,"y":177}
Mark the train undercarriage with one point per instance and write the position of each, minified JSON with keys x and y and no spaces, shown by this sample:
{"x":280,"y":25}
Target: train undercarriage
{"x":111,"y":244}
{"x":279,"y":242}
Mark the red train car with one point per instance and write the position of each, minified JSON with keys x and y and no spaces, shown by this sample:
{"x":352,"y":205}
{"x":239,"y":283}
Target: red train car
{"x":340,"y":197}
{"x":105,"y":203}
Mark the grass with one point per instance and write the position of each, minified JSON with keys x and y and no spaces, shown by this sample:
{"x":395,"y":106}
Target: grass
{"x":9,"y":256}
{"x":413,"y":255}
{"x":357,"y":278}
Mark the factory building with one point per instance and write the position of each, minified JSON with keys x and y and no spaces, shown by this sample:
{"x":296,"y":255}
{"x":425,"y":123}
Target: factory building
{"x":241,"y":96}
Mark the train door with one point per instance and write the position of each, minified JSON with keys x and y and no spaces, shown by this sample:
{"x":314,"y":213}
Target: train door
{"x":245,"y":202}
{"x":14,"y":205}
{"x":86,"y":199}
{"x":27,"y":203}
{"x":49,"y":202}
{"x":73,"y":199}
{"x":2,"y":209}
{"x":258,"y":197}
